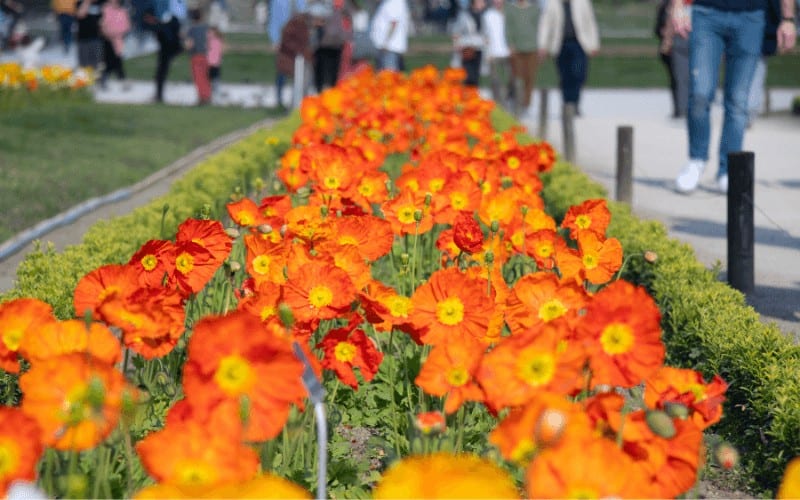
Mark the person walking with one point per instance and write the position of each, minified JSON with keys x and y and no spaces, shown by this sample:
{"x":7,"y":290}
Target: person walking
{"x":216,"y":48}
{"x":769,"y":46}
{"x":115,"y":23}
{"x":468,"y":40}
{"x":498,"y":55}
{"x":65,"y":11}
{"x":568,"y":31}
{"x":331,"y":37}
{"x":295,"y":41}
{"x":521,"y":24}
{"x":279,"y":13}
{"x":389,"y":32}
{"x":732,"y":30}
{"x":88,"y":37}
{"x":673,"y":51}
{"x":196,"y":43}
{"x":167,"y":28}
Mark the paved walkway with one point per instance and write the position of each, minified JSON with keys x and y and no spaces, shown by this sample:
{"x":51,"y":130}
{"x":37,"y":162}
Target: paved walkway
{"x":659,"y":151}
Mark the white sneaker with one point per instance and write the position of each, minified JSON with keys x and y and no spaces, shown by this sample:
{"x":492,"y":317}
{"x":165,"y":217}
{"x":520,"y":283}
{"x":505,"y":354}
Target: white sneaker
{"x":722,"y":183}
{"x":689,"y":177}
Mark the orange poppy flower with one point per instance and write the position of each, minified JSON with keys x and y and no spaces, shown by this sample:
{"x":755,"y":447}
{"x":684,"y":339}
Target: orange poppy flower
{"x":18,"y":318}
{"x":20,"y":447}
{"x":460,"y":194}
{"x":591,"y":215}
{"x":265,"y":260}
{"x":500,"y":207}
{"x":452,"y":304}
{"x":332,"y":171}
{"x":447,"y":245}
{"x":292,"y":177}
{"x":245,"y":213}
{"x":622,"y":329}
{"x":75,"y":400}
{"x":600,"y":258}
{"x":539,"y":298}
{"x":103,"y":283}
{"x":442,"y":475}
{"x":371,"y":189}
{"x":228,"y":359}
{"x":408,"y":214}
{"x":386,"y":309}
{"x":430,"y":422}
{"x":262,"y":486}
{"x":207,"y":233}
{"x":192,"y":453}
{"x":450,"y":370}
{"x":151,"y":319}
{"x":524,"y":365}
{"x":541,"y":245}
{"x":686,"y":387}
{"x":306,"y":222}
{"x":790,"y":483}
{"x":543,"y":422}
{"x":56,"y":338}
{"x":274,"y":208}
{"x":194,"y":266}
{"x":347,"y":348}
{"x":263,"y":303}
{"x":318,"y":290}
{"x":584,"y":469}
{"x":371,"y":236}
{"x":153,"y":262}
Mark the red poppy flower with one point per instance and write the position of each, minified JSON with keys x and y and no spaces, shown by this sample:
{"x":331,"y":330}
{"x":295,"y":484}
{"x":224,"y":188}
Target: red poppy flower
{"x":245,"y":213}
{"x":591,"y":215}
{"x":467,"y":233}
{"x":153,"y":262}
{"x":209,"y":234}
{"x":347,"y":348}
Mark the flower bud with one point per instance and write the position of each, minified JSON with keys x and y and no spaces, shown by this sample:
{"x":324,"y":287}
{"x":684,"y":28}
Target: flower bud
{"x":286,"y":315}
{"x":524,"y":209}
{"x":233,"y":232}
{"x":404,"y":258}
{"x":650,"y":256}
{"x":258,"y":184}
{"x":488,"y":256}
{"x":550,"y":426}
{"x":324,"y":210}
{"x":96,"y":394}
{"x":417,"y":215}
{"x":676,"y":410}
{"x":234,"y":266}
{"x":726,"y":456}
{"x":264,"y":229}
{"x":660,"y":423}
{"x":428,"y":199}
{"x":495,"y":226}
{"x":284,"y":228}
{"x":430,"y":422}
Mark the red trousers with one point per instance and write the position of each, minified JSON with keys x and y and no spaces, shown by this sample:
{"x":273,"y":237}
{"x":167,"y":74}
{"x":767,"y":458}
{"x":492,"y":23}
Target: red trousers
{"x":200,"y":75}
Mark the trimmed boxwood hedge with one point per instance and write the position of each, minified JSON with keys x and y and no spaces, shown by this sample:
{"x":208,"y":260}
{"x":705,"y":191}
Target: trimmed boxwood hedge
{"x":707,"y":325}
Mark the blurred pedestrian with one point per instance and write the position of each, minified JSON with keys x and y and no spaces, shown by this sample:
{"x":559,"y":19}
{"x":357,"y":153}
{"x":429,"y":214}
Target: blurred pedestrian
{"x":330,"y":37}
{"x":88,"y":36}
{"x":673,"y":50}
{"x":389,"y":33}
{"x":769,"y":46}
{"x":732,"y":30}
{"x":13,"y":10}
{"x":196,"y":43}
{"x":65,"y":11}
{"x":167,"y":28}
{"x":568,"y":31}
{"x":498,"y":54}
{"x":216,"y":48}
{"x":115,"y":23}
{"x":468,"y":40}
{"x":521,"y":24}
{"x":279,"y":13}
{"x":295,"y":41}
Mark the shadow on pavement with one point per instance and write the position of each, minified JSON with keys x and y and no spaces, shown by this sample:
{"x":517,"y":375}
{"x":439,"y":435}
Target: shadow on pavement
{"x":763,"y":235}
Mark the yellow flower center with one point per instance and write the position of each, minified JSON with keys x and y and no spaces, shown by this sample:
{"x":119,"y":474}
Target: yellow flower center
{"x":551,"y":310}
{"x":617,"y":338}
{"x":320,"y":296}
{"x":269,"y":212}
{"x":74,"y":409}
{"x":524,"y":449}
{"x":195,"y":473}
{"x":245,"y":218}
{"x":348,"y":240}
{"x":517,"y":238}
{"x":9,"y":457}
{"x":332,"y":182}
{"x":590,"y":261}
{"x":436,"y":185}
{"x":406,"y":215}
{"x":457,"y":377}
{"x":107,"y":292}
{"x":536,"y":368}
{"x":234,"y":375}
{"x":261,"y":264}
{"x":581,"y":492}
{"x":450,"y":311}
{"x":583,"y":221}
{"x":544,"y":250}
{"x":412,"y":185}
{"x":344,"y":352}
{"x":12,"y":337}
{"x":267,"y":312}
{"x":699,"y":392}
{"x":458,"y":201}
{"x":399,"y":306}
{"x":366,"y":190}
{"x":513,"y":163}
{"x":184,"y":263}
{"x":149,"y":262}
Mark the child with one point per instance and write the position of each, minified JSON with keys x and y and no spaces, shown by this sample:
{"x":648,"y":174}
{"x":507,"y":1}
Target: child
{"x":215,"y":50}
{"x":197,"y":45}
{"x":114,"y":25}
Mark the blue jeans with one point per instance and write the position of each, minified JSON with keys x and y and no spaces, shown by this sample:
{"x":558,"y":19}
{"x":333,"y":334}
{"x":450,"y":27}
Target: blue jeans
{"x":65,"y":29}
{"x":390,"y":60}
{"x":736,"y":37}
{"x":573,"y":65}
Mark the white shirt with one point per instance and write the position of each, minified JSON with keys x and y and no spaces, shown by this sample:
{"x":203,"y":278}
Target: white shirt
{"x":494,"y":29}
{"x":391,"y":11}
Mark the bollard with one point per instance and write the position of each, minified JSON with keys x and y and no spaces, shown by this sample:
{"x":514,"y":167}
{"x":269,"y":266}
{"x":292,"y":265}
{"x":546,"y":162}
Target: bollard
{"x":767,"y":102}
{"x":568,"y":126}
{"x":543,"y":113}
{"x":298,"y":85}
{"x":741,"y":237}
{"x":625,"y":164}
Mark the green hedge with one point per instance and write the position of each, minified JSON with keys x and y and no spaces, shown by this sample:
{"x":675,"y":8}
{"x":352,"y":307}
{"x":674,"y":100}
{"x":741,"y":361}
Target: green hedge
{"x":707,"y":325}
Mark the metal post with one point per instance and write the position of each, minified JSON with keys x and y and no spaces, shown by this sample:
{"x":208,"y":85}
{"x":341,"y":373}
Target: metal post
{"x":298,"y":84}
{"x":543,"y":98}
{"x":741,"y":237}
{"x":567,"y":122}
{"x":625,"y":164}
{"x":767,"y":102}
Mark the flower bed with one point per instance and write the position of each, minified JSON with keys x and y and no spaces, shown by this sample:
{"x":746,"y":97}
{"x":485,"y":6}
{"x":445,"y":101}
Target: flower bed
{"x":406,"y":251}
{"x":25,"y":86}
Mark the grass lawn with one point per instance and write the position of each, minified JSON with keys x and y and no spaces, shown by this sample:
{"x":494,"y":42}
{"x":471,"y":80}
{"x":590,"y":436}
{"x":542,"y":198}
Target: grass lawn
{"x":58,"y":155}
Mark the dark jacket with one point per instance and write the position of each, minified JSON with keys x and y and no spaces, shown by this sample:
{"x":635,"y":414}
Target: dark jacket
{"x":295,"y":40}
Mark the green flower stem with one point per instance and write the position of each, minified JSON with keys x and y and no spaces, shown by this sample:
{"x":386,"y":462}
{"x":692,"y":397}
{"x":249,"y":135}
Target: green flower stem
{"x":395,"y":425}
{"x":460,"y":430}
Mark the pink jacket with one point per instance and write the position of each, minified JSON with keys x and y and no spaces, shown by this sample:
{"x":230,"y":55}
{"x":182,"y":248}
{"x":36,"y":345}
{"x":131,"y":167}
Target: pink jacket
{"x":115,"y":24}
{"x":214,"y":50}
